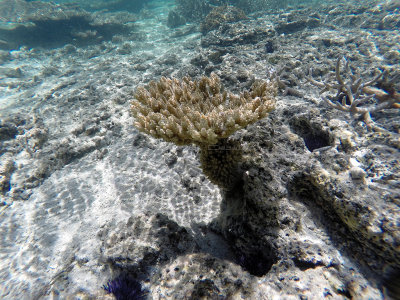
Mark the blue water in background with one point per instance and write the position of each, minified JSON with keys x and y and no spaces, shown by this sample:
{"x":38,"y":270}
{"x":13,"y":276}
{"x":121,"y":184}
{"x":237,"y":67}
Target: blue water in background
{"x":136,"y":5}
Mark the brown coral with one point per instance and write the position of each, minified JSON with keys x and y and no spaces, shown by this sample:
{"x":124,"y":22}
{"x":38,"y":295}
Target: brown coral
{"x":199,"y":112}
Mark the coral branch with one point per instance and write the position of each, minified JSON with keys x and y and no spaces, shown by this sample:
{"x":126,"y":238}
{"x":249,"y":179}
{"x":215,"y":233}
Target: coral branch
{"x":186,"y":112}
{"x":352,"y":94}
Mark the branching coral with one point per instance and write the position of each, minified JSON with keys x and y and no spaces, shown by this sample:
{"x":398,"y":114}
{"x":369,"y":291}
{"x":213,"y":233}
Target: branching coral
{"x":199,"y":112}
{"x":352,"y":94}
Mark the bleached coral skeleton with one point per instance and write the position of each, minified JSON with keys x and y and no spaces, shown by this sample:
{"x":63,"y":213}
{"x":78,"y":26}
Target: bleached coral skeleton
{"x":353,"y":94}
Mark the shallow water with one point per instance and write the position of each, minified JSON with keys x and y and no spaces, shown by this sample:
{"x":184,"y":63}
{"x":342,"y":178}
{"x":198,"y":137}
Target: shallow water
{"x":73,"y":166}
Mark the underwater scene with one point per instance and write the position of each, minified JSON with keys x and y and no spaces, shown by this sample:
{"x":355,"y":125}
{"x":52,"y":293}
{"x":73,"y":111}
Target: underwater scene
{"x":199,"y":149}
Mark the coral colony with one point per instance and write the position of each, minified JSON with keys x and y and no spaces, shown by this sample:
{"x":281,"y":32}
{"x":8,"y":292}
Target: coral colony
{"x":198,"y":112}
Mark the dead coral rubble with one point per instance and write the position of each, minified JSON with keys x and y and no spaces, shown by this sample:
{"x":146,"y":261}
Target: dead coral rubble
{"x":352,"y":94}
{"x":221,"y":15}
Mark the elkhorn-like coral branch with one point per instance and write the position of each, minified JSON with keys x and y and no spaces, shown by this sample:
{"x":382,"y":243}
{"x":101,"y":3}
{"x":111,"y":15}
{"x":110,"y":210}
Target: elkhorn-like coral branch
{"x":352,"y":93}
